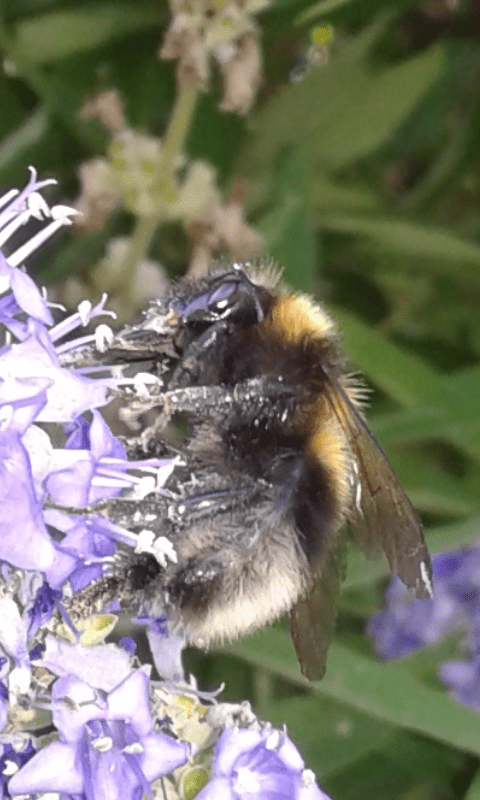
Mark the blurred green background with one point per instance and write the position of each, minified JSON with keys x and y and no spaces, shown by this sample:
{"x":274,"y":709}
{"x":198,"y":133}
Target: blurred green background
{"x":360,"y":162}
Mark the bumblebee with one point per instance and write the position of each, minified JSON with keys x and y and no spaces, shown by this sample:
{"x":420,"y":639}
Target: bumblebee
{"x":278,"y":466}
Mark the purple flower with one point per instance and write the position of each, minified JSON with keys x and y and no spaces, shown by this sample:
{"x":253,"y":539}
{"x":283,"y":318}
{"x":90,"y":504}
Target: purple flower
{"x":13,"y":644}
{"x":166,"y":647}
{"x":407,"y":624}
{"x":108,"y":746}
{"x":128,"y":644}
{"x":11,"y":758}
{"x":17,"y":209}
{"x":259,"y":765}
{"x":24,"y":541}
{"x":104,"y":666}
{"x":41,"y":610}
{"x":463,"y":679}
{"x":3,"y":705}
{"x":38,"y":385}
{"x":21,"y":401}
{"x":92,"y":466}
{"x":25,"y":292}
{"x":35,"y":359}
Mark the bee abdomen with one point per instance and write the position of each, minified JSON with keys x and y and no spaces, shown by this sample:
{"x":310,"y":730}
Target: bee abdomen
{"x":315,"y":510}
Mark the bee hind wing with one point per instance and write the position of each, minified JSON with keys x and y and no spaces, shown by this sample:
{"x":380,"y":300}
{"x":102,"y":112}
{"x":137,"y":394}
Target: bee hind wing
{"x":312,"y":619}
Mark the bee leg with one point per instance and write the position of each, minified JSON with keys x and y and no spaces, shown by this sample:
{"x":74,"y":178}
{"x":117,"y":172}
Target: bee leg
{"x":202,"y":400}
{"x":204,"y":505}
{"x":197,"y":400}
{"x":187,"y":371}
{"x":262,"y":390}
{"x":192,"y":588}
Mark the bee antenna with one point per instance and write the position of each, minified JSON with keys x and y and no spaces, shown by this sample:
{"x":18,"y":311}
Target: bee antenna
{"x":252,"y":290}
{"x":258,"y":307}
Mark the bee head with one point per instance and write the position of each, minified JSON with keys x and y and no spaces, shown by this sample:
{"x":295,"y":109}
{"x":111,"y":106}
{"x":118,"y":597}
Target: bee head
{"x":228,"y":297}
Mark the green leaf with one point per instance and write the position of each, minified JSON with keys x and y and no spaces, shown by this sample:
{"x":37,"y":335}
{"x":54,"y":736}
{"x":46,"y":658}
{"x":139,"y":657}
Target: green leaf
{"x":28,"y":134}
{"x":50,"y":37}
{"x":408,"y":767}
{"x":426,"y":422}
{"x":319,"y":10}
{"x":324,"y":194}
{"x":327,"y":194}
{"x":374,"y":107}
{"x":288,"y":229}
{"x":386,"y":691}
{"x":340,"y":112}
{"x":402,"y":375}
{"x":437,"y":405}
{"x":473,"y":792}
{"x":434,"y":490}
{"x":329,"y":735}
{"x":412,"y":239}
{"x":434,"y":399}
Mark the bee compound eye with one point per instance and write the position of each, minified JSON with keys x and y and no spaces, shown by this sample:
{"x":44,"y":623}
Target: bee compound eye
{"x":208,"y":305}
{"x":221,"y":299}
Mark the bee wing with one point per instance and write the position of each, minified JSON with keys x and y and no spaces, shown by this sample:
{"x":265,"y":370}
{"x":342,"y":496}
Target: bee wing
{"x":383,"y":516}
{"x":312,"y":620}
{"x":383,"y":519}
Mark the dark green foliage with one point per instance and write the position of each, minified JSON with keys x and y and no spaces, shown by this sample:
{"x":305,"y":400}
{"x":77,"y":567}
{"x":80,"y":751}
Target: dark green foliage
{"x":364,"y":180}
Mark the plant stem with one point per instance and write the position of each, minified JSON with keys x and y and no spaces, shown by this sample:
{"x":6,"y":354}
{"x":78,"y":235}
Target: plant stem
{"x":172,"y":147}
{"x":177,"y":131}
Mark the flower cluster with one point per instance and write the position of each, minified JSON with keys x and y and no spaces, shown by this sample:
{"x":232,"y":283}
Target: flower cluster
{"x":118,"y":734}
{"x":223,"y":31}
{"x":156,"y":188}
{"x":406,"y":624}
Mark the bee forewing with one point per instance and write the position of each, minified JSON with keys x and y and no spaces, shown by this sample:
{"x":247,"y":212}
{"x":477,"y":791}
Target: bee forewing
{"x":382,"y":517}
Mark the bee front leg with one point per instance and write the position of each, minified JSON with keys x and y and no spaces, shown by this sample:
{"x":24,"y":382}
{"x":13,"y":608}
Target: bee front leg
{"x":202,"y":400}
{"x":187,"y":372}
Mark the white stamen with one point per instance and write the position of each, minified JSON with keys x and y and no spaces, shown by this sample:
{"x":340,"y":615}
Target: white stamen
{"x":19,"y":256}
{"x":143,"y":487}
{"x":246,"y":782}
{"x":145,"y":541}
{"x":164,"y":550}
{"x":103,"y":337}
{"x":143,"y":379}
{"x":308,"y":777}
{"x":38,"y":206}
{"x":161,"y":547}
{"x":8,"y":196}
{"x":103,"y":744}
{"x":273,"y":740}
{"x":135,"y":748}
{"x":44,"y":796}
{"x":9,"y":230}
{"x":64,"y":213}
{"x":84,"y":308}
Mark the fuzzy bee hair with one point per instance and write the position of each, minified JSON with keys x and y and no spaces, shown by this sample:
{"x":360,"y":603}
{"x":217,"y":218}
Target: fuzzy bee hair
{"x":277,"y":463}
